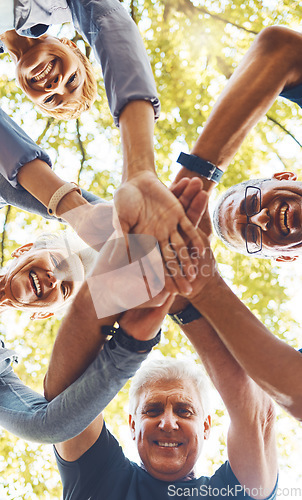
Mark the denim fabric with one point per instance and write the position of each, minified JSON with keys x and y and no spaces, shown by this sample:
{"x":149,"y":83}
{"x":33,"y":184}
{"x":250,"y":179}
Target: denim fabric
{"x":17,"y":149}
{"x":30,"y":416}
{"x":119,"y":48}
{"x":112,"y":34}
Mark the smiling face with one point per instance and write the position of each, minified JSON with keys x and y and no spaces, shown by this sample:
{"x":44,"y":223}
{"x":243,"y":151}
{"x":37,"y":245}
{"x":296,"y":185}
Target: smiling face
{"x":31,"y":284}
{"x":169,"y":428}
{"x":280,"y":217}
{"x":51,"y":73}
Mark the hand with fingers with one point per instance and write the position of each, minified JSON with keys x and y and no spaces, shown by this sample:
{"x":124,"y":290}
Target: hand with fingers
{"x":145,"y":206}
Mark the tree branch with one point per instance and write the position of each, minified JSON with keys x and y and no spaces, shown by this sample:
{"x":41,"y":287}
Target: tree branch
{"x":82,"y":149}
{"x":4,"y":234}
{"x":284,"y":129}
{"x":41,"y":136}
{"x":202,"y":10}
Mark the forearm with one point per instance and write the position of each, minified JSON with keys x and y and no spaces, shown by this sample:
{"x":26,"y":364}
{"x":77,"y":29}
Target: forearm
{"x":137,"y":135}
{"x":77,"y":344}
{"x":263,"y":356}
{"x":29,"y":415}
{"x":272,"y":63}
{"x":42,"y":182}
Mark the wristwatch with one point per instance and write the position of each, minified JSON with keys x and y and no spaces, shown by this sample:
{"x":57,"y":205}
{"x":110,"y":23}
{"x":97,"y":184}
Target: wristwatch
{"x":129,"y":343}
{"x":202,"y":167}
{"x":186,"y":315}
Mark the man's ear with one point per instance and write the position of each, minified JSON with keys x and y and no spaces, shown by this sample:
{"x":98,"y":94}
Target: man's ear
{"x":285,"y":176}
{"x":68,"y":42}
{"x":207,"y":427}
{"x":286,"y":258}
{"x":21,"y":250}
{"x":41,"y":315}
{"x":132,"y":426}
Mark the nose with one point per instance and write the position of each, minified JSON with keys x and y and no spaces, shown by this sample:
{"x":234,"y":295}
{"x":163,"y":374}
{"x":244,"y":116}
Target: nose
{"x":262,"y":219}
{"x":51,"y":280}
{"x":168,"y":421}
{"x":54,"y":84}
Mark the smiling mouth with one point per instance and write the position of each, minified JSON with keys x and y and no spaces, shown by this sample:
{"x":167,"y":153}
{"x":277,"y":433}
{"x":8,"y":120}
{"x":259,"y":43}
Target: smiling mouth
{"x":165,"y":444}
{"x":283,"y":219}
{"x":43,"y":74}
{"x":35,"y":283}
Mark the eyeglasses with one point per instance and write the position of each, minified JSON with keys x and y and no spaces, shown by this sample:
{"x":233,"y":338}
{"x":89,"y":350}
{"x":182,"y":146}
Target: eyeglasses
{"x":252,"y":206}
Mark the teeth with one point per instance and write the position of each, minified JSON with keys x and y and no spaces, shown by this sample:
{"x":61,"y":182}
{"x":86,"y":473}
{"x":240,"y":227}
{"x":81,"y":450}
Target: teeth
{"x":168,"y":445}
{"x":283,"y":219}
{"x":43,"y":73}
{"x":36,"y":282}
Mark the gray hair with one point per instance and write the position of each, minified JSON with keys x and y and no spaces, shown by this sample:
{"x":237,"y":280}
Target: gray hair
{"x":170,"y":369}
{"x":71,"y":242}
{"x":216,"y":217}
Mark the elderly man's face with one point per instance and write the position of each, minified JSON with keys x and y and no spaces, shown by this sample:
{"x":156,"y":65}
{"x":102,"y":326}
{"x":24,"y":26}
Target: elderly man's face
{"x":31,"y":284}
{"x":280,"y":217}
{"x":169,"y":429}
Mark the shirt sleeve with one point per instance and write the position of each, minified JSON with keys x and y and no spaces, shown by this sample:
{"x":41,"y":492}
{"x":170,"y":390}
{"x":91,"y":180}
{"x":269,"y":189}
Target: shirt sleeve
{"x":30,"y":416}
{"x":95,"y":471}
{"x":119,"y":48}
{"x":17,"y":149}
{"x":227,"y":483}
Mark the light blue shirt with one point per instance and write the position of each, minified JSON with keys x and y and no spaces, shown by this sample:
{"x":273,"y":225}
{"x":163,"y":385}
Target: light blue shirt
{"x":6,"y":15}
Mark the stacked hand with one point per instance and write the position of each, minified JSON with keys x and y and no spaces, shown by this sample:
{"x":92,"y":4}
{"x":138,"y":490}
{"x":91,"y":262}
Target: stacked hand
{"x":145,"y":206}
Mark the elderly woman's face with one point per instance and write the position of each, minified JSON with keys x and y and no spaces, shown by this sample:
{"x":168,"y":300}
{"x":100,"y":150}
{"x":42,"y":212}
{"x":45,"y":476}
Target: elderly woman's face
{"x":31,"y":282}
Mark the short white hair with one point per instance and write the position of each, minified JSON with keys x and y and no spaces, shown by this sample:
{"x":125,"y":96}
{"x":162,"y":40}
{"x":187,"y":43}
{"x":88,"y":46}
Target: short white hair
{"x":170,"y":369}
{"x":71,"y":242}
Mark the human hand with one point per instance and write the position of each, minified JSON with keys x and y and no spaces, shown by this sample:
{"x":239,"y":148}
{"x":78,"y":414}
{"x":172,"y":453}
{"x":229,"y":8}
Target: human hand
{"x":145,"y":206}
{"x":143,"y":324}
{"x":206,"y":269}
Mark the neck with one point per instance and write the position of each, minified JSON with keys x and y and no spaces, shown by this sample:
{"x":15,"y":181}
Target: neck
{"x":16,"y":45}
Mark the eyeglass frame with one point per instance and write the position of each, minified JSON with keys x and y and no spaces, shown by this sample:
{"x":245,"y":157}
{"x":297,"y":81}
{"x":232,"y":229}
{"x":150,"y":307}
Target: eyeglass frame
{"x":251,"y":215}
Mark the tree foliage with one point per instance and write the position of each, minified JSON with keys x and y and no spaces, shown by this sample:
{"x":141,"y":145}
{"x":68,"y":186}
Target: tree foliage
{"x":194,"y":46}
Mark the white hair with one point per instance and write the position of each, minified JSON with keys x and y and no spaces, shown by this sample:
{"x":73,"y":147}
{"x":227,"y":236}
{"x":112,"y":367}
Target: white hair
{"x":71,"y":242}
{"x":170,"y":369}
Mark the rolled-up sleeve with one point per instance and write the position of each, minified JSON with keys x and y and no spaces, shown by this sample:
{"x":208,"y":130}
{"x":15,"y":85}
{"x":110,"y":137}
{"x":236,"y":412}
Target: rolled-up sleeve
{"x":17,"y":149}
{"x":119,"y":48}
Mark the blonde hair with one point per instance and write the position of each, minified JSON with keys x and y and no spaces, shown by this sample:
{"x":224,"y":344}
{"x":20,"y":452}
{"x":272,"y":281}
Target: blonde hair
{"x":72,"y":110}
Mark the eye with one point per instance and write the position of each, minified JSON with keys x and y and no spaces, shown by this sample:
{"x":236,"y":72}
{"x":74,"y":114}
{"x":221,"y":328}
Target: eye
{"x":152,"y":412}
{"x":64,"y":290}
{"x":54,"y":260}
{"x":72,"y":78}
{"x":48,"y":99}
{"x":184,"y":412}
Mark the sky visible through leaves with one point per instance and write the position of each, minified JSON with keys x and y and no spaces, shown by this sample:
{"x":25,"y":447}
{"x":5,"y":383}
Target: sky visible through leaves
{"x":194,"y":47}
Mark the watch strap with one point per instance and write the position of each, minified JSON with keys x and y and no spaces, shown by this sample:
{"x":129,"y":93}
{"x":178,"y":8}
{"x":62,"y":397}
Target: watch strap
{"x":129,"y":343}
{"x":186,"y":316}
{"x":202,"y":167}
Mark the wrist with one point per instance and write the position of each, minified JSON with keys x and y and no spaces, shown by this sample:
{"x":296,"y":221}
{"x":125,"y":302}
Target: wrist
{"x":143,"y":164}
{"x":209,"y":295}
{"x":129,"y":343}
{"x":74,"y":209}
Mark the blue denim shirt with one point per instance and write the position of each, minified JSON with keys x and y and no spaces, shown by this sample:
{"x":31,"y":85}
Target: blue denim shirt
{"x":112,"y":34}
{"x":16,"y":149}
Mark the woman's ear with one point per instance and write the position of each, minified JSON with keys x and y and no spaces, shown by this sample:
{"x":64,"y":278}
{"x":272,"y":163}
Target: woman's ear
{"x":68,"y":42}
{"x":21,"y":250}
{"x":41,"y":315}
